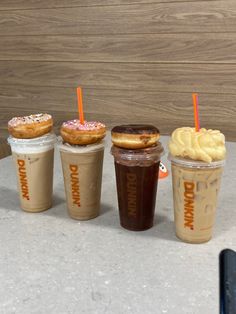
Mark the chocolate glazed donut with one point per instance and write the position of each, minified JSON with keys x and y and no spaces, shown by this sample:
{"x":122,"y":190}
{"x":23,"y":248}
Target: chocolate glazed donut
{"x":135,"y":136}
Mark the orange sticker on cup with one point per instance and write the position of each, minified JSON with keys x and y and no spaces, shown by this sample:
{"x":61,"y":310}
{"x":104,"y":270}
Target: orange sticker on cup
{"x":163,"y":172}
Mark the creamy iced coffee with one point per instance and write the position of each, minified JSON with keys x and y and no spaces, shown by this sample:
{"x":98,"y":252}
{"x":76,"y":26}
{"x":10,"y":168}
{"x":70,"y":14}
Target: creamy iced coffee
{"x":82,"y":171}
{"x":197,"y":160}
{"x":33,"y":159}
{"x":82,"y":150}
{"x":35,"y":194}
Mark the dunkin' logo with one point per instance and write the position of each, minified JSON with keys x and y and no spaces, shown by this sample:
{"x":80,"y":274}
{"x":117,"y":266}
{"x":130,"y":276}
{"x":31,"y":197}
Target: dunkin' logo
{"x":74,"y":178}
{"x":132,"y":194}
{"x":189,"y":205}
{"x":23,"y":179}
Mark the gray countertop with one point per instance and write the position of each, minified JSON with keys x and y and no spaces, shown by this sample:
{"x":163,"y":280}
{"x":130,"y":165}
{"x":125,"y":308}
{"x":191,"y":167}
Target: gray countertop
{"x":50,"y":263}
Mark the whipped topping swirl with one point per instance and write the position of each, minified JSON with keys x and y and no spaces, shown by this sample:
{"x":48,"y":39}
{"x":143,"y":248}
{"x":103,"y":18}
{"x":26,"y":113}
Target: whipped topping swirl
{"x":87,"y":126}
{"x":205,"y":145}
{"x":34,"y":118}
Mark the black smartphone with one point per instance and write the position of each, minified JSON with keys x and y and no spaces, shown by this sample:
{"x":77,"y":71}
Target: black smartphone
{"x":227,"y":282}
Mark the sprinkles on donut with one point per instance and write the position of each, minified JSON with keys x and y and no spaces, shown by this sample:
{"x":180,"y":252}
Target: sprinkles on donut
{"x":76,"y":133}
{"x":31,"y":126}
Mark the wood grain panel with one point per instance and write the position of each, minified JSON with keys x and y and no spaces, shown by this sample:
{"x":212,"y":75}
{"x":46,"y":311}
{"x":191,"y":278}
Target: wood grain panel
{"x":206,"y":16}
{"x":184,"y":48}
{"x":4,"y":148}
{"x":137,"y":61}
{"x":37,"y":4}
{"x":207,"y":78}
{"x":166,"y":110}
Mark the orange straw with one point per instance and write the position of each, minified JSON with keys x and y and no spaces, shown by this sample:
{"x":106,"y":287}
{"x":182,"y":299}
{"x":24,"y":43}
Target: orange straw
{"x":196,"y":114}
{"x":80,"y":105}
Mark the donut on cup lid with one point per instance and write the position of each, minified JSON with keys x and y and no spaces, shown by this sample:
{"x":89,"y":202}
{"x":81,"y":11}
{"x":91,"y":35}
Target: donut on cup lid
{"x":76,"y":133}
{"x":135,"y":136}
{"x":31,"y":126}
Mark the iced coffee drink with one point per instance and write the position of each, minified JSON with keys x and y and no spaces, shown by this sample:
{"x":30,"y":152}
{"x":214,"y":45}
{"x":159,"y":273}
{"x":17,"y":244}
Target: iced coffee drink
{"x":33,"y":157}
{"x":137,"y":154}
{"x":34,"y":177}
{"x":82,"y":150}
{"x":197,"y":160}
{"x":82,"y":172}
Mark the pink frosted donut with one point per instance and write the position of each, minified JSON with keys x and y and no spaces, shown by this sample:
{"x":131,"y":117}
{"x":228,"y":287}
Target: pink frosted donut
{"x":31,"y":126}
{"x":76,"y":133}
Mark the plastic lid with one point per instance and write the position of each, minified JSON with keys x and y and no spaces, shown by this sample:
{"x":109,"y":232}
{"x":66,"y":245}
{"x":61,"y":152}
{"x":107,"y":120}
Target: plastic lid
{"x":190,"y":163}
{"x":49,"y":138}
{"x":77,"y":149}
{"x":153,"y":152}
{"x":32,"y":145}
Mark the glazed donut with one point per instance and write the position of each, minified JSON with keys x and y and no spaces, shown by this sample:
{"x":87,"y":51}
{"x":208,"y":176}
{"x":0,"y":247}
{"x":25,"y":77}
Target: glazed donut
{"x":76,"y":133}
{"x":31,"y":126}
{"x":135,"y":136}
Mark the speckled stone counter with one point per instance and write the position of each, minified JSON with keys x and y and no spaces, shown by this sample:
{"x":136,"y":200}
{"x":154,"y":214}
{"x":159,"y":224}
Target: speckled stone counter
{"x":50,"y":263}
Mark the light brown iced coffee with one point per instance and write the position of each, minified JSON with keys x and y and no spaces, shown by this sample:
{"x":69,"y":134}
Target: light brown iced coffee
{"x":82,"y":171}
{"x":195,"y":198}
{"x":82,"y":150}
{"x":196,"y":183}
{"x":32,"y":145}
{"x":33,"y":159}
{"x":35,"y":177}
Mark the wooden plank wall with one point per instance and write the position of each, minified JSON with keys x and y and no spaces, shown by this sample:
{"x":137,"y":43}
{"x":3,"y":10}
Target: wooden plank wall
{"x":137,"y":61}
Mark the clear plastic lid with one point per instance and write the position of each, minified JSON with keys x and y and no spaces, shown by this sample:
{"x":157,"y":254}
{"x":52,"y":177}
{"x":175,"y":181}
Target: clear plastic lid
{"x":77,"y":149}
{"x":185,"y":162}
{"x":32,"y":145}
{"x":150,"y":153}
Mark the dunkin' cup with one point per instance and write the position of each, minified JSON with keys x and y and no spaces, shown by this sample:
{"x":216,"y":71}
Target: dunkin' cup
{"x":82,"y":171}
{"x":33,"y":159}
{"x":196,"y":186}
{"x":136,"y":179}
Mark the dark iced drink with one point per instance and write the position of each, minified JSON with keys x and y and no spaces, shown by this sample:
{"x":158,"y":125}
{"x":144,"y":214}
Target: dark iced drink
{"x":136,"y":179}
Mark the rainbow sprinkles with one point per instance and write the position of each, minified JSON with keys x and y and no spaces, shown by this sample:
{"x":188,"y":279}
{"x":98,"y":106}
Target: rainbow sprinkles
{"x":86,"y":126}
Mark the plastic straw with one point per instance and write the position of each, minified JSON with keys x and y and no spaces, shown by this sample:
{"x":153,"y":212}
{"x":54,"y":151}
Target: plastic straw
{"x":196,"y":113}
{"x":80,"y":105}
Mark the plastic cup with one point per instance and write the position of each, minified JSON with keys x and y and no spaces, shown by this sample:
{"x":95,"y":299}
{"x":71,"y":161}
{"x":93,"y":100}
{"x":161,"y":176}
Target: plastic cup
{"x":136,"y":179}
{"x":82,"y":171}
{"x":33,"y":159}
{"x":196,"y":186}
